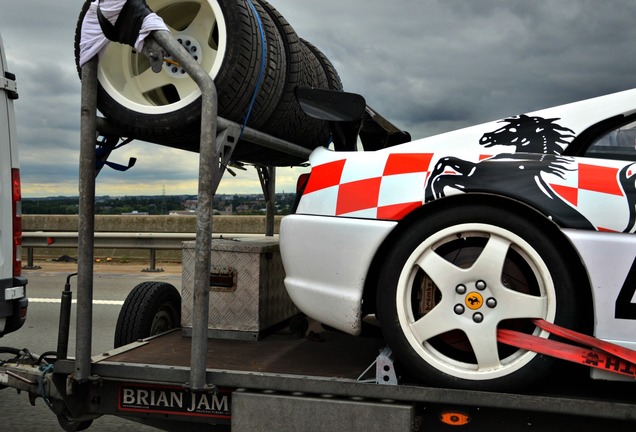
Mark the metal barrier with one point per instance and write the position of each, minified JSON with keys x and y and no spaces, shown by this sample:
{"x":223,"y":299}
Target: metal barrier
{"x":117,"y":240}
{"x":152,"y":241}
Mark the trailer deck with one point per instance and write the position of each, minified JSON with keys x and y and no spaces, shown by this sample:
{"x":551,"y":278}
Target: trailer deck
{"x":327,"y":354}
{"x":327,"y":371}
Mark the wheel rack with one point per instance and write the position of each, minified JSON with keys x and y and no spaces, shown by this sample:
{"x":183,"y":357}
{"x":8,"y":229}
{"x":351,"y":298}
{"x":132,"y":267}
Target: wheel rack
{"x":218,"y":138}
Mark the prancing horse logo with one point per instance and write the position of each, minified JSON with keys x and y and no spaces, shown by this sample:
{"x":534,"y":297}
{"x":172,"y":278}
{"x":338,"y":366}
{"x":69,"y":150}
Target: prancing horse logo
{"x":474,"y":300}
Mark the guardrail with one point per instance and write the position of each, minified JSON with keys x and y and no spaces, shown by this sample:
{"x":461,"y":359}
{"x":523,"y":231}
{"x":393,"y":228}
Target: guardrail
{"x":119,"y":240}
{"x":152,"y":241}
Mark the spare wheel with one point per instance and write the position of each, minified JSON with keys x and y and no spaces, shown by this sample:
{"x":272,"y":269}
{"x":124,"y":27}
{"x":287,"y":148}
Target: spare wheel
{"x":164,"y":108}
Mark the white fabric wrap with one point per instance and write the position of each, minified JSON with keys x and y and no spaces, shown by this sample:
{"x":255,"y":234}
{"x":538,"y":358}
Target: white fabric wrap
{"x":92,"y":40}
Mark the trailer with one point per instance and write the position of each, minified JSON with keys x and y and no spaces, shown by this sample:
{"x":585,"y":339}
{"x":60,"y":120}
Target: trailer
{"x":290,"y":375}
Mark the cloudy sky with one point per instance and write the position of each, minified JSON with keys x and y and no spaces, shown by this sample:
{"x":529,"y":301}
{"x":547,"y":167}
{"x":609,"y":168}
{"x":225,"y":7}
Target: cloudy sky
{"x":427,"y":65}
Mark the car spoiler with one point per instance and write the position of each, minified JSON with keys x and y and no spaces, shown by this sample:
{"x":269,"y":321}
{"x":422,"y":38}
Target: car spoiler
{"x":349,"y":117}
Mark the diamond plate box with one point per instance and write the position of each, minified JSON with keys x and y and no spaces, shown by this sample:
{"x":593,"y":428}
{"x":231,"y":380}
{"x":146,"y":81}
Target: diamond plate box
{"x":247,"y":293}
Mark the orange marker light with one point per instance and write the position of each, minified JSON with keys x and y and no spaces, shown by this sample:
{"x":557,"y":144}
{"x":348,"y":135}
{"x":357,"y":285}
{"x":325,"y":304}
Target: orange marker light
{"x":454,"y":418}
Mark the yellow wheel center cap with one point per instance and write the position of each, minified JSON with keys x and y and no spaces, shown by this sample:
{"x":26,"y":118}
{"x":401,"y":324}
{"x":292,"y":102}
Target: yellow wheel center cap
{"x":474,"y":300}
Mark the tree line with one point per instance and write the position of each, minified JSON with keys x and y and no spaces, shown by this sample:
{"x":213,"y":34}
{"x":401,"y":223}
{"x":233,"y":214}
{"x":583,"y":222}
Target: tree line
{"x":157,"y":205}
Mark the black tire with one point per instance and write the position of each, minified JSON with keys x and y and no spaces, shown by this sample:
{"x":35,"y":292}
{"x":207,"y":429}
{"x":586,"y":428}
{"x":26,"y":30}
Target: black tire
{"x":333,"y":78}
{"x":287,"y":113}
{"x":289,"y":122}
{"x":163,"y":114}
{"x":440,"y":318}
{"x":287,"y":119}
{"x":150,"y":308}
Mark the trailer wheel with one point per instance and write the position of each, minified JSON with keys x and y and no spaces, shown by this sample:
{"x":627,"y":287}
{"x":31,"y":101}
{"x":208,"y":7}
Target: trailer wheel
{"x":150,"y":308}
{"x":454,"y":278}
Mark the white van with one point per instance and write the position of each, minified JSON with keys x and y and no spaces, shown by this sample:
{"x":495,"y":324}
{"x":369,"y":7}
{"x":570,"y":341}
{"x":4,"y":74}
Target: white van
{"x":13,"y":300}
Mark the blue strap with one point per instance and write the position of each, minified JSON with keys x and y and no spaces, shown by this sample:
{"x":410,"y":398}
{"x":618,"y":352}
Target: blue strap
{"x":263,"y":58}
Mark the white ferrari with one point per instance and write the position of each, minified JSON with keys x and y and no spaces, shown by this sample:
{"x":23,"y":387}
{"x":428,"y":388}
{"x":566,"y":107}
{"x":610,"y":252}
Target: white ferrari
{"x":465,"y":246}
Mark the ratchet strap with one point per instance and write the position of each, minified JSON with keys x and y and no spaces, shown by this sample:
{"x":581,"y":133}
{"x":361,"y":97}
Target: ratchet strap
{"x":599,"y":354}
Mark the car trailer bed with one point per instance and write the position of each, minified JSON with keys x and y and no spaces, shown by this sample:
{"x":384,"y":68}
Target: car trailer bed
{"x":323,"y":382}
{"x":328,"y":354}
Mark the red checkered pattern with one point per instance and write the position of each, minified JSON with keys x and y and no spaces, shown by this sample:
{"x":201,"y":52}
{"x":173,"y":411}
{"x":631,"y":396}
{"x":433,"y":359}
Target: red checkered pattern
{"x":596,"y":193}
{"x":388,"y":186}
{"x":370,"y":187}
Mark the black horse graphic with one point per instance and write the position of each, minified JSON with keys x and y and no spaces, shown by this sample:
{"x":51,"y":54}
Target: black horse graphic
{"x":627,"y":180}
{"x":539,"y":142}
{"x":530,"y":135}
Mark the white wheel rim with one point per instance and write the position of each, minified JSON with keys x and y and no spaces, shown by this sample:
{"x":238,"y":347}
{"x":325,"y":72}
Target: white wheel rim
{"x":445,"y":316}
{"x":126,"y":76}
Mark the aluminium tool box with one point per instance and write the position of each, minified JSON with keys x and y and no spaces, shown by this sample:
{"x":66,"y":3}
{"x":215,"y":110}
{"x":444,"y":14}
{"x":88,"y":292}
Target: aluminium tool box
{"x":247,"y":291}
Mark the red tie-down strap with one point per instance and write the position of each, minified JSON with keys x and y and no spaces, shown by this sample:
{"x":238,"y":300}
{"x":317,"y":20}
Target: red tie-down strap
{"x":604,"y":355}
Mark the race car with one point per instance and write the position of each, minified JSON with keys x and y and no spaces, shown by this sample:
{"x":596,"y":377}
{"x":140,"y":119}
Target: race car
{"x":450,"y":241}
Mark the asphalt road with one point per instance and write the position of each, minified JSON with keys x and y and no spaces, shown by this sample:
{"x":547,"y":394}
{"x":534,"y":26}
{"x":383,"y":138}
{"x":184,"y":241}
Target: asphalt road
{"x":112,"y":282}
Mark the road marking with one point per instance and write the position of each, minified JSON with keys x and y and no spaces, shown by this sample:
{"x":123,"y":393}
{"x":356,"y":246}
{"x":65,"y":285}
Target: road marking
{"x":96,"y":302}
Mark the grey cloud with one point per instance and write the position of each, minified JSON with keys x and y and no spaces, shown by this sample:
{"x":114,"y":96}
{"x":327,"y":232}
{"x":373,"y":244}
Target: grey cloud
{"x":427,"y":65}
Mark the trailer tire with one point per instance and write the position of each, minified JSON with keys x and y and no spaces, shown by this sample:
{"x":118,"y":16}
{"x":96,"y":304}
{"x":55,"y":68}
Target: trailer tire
{"x":454,"y":278}
{"x":150,"y":308}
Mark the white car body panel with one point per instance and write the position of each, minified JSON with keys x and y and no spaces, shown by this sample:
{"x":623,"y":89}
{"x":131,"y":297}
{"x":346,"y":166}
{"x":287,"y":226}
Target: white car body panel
{"x":328,"y":285}
{"x":608,"y":258}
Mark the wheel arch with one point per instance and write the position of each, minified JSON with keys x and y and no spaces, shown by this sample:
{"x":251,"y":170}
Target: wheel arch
{"x":540,"y":220}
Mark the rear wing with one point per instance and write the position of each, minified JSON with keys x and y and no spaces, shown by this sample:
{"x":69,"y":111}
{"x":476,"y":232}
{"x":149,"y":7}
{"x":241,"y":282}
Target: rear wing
{"x":350,"y":118}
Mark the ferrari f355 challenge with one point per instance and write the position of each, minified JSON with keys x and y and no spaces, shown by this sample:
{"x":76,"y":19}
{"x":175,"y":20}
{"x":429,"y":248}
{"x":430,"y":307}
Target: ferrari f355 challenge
{"x":450,"y":241}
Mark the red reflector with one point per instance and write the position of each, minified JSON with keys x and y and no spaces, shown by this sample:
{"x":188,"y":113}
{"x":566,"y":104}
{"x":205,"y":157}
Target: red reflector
{"x":49,"y":241}
{"x":17,"y":222}
{"x":17,"y":266}
{"x":15,"y":177}
{"x":23,"y":312}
